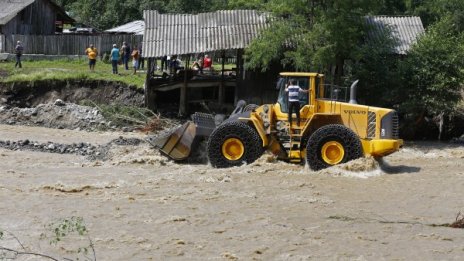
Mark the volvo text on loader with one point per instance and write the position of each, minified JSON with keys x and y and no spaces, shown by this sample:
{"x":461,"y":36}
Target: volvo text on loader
{"x":331,"y":131}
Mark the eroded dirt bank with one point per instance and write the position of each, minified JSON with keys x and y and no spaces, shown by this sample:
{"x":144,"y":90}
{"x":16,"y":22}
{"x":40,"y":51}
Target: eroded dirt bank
{"x":31,"y":94}
{"x":59,"y":104}
{"x":138,"y":205}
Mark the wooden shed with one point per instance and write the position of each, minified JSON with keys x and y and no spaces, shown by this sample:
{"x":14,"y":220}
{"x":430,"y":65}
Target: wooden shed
{"x":222,"y":34}
{"x":31,"y":17}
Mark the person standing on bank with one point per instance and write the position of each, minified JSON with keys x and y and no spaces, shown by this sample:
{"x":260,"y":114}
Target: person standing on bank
{"x":294,"y":101}
{"x":135,"y":58}
{"x":126,"y":54}
{"x":92,"y":54}
{"x":18,"y":52}
{"x":114,"y":58}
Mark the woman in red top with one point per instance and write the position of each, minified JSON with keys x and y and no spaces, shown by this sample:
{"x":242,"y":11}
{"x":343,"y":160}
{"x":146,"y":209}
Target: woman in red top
{"x":207,"y":63}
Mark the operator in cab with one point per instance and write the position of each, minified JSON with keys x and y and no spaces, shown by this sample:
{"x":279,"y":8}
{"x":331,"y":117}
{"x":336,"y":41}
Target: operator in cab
{"x":293,"y":100}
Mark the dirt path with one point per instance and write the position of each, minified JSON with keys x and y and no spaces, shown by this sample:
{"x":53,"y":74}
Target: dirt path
{"x":140,"y":206}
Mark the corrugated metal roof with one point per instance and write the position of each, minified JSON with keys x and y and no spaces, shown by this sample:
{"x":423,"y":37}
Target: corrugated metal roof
{"x":10,"y":8}
{"x":169,"y":34}
{"x":405,"y":29}
{"x":135,"y":27}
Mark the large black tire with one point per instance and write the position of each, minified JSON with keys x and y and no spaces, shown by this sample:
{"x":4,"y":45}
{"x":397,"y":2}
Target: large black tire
{"x":341,"y":137}
{"x":241,"y":132}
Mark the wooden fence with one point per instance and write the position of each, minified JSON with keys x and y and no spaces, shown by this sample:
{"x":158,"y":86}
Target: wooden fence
{"x":65,"y":44}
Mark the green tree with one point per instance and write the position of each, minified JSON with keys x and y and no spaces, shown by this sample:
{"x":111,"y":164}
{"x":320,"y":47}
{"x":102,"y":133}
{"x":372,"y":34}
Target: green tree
{"x":247,"y":4}
{"x":433,"y":73}
{"x":105,"y":14}
{"x":65,"y":4}
{"x":393,"y":7}
{"x":311,"y":35}
{"x":376,"y":67}
{"x":432,"y":11}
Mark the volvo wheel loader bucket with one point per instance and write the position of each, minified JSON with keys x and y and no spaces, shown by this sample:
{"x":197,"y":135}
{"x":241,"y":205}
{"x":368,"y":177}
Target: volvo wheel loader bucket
{"x":179,"y":144}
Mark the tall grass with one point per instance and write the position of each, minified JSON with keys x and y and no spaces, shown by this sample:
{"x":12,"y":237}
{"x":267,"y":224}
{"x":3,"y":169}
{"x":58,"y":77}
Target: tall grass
{"x":68,"y":69}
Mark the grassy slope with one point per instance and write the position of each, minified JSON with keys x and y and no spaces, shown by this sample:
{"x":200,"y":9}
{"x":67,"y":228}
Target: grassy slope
{"x":69,"y":69}
{"x":74,"y":69}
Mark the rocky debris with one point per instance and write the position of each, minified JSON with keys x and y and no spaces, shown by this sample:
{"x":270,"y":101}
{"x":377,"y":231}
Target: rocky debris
{"x":86,"y":149}
{"x":58,"y":115}
{"x":127,"y":141}
{"x":59,"y":102}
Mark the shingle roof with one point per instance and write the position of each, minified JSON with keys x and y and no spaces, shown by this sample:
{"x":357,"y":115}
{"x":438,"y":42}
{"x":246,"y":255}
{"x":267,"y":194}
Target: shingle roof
{"x":406,"y":29}
{"x":169,"y":34}
{"x":135,"y":27}
{"x":10,"y":8}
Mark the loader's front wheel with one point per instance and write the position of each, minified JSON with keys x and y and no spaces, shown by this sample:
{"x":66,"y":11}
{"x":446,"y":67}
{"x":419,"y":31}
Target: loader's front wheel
{"x":232,"y":144}
{"x":233,"y":149}
{"x":331,"y":145}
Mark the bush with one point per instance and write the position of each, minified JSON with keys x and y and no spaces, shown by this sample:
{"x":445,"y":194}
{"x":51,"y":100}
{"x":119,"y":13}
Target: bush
{"x":432,"y":77}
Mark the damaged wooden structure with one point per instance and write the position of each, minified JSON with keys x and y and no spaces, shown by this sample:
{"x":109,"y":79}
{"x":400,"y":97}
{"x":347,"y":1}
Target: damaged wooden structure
{"x":221,"y":34}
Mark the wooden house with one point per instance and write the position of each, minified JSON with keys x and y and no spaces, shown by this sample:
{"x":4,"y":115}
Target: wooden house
{"x":31,"y":17}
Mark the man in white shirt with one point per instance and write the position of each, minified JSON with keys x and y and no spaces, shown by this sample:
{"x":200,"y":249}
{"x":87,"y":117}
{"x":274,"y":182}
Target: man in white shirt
{"x":294,"y":100}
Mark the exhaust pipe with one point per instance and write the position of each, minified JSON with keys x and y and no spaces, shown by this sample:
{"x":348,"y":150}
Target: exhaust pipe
{"x":353,"y":92}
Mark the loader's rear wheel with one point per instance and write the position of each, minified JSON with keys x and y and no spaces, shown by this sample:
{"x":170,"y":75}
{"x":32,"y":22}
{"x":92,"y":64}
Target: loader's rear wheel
{"x":331,"y":145}
{"x":232,"y":144}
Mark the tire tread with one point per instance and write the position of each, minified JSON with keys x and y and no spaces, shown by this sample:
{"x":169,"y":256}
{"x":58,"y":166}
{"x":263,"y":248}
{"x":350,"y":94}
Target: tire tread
{"x":350,"y":141}
{"x":237,"y":129}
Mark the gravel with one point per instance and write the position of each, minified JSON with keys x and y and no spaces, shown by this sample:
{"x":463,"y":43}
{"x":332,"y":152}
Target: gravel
{"x":59,"y":115}
{"x":88,"y":150}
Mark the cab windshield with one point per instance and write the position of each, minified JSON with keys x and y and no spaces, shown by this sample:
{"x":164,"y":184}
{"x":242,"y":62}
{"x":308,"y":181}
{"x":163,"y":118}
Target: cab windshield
{"x":303,"y":82}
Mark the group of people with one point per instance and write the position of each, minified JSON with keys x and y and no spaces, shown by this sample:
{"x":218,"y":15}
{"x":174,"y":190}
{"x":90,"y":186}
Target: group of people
{"x":123,"y":54}
{"x":203,"y":64}
{"x":172,"y":63}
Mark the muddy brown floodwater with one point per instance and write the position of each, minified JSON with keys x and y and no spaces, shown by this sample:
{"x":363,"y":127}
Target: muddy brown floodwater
{"x":140,"y":206}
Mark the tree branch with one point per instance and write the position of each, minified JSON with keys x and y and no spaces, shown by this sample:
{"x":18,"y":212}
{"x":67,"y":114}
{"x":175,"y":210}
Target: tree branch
{"x":15,"y":238}
{"x":16,"y":252}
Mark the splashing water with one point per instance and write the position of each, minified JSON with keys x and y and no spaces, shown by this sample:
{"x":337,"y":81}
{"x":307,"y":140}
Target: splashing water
{"x":359,"y":168}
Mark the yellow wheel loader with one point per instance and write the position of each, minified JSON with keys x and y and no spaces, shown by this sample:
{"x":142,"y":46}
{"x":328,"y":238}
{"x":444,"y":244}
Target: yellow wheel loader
{"x":331,"y":131}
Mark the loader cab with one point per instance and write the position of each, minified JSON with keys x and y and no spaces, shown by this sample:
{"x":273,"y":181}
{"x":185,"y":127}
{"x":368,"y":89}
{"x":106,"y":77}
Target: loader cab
{"x":303,"y":82}
{"x":314,"y":82}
